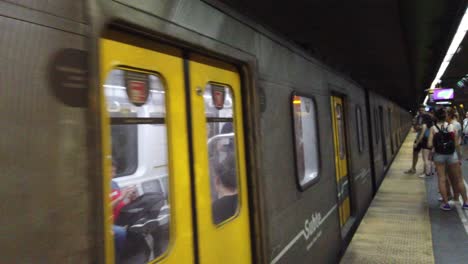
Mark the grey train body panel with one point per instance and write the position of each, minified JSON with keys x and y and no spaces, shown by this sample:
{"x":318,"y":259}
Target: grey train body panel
{"x":46,"y":192}
{"x":50,"y":177}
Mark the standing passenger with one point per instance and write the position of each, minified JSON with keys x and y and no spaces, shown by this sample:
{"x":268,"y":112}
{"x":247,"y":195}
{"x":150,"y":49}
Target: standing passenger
{"x":422,"y":140}
{"x":452,"y":118}
{"x":417,"y":147}
{"x":465,"y":129}
{"x":444,"y":139}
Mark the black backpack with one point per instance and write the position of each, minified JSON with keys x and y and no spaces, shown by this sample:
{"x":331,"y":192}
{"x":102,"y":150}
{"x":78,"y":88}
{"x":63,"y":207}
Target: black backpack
{"x":443,"y":142}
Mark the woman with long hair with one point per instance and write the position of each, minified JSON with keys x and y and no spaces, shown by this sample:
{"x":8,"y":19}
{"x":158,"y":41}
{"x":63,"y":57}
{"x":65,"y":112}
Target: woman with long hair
{"x":444,"y":139}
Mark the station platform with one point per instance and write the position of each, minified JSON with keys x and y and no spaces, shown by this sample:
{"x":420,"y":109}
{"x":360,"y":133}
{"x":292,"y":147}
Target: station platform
{"x":404,"y":223}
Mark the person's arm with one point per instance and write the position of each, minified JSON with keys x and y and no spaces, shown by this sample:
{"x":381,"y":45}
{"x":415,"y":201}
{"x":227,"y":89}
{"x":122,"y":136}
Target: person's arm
{"x":115,"y":202}
{"x":421,"y":135}
{"x":430,"y":139}
{"x":125,"y":193}
{"x":457,"y":143}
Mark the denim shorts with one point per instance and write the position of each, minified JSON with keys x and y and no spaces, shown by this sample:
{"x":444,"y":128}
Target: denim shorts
{"x":446,"y":158}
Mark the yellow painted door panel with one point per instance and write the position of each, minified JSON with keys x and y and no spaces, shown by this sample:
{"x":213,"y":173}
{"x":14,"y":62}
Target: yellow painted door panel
{"x":167,"y":63}
{"x":217,"y":115}
{"x":341,"y":165}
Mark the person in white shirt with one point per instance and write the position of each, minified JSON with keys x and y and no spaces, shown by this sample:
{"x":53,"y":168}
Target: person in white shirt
{"x":444,"y":139}
{"x":465,"y":129}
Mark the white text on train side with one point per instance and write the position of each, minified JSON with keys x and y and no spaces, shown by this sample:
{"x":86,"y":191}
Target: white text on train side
{"x":312,"y":225}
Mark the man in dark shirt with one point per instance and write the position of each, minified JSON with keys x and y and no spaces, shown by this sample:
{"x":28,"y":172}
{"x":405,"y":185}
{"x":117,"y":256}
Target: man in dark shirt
{"x":418,"y":121}
{"x":226,"y":186}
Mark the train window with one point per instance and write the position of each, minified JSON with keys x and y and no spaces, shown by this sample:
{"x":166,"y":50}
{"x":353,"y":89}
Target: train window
{"x":360,"y":131}
{"x":221,"y":140}
{"x":341,"y":129}
{"x":139,"y":194}
{"x":306,"y":143}
{"x":125,"y":152}
{"x":376,"y":125}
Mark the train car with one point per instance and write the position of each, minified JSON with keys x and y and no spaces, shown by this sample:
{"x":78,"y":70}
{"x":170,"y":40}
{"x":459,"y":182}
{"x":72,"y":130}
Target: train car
{"x":179,"y":132}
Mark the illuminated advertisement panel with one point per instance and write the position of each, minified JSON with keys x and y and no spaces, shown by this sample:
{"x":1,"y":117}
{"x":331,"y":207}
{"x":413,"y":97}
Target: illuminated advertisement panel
{"x":442,"y":94}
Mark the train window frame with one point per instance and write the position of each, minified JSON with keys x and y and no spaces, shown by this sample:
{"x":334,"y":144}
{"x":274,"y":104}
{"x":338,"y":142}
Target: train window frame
{"x":151,"y":120}
{"x":233,"y":121}
{"x":341,"y":130}
{"x":360,"y":129}
{"x":376,"y":125}
{"x":304,"y":186}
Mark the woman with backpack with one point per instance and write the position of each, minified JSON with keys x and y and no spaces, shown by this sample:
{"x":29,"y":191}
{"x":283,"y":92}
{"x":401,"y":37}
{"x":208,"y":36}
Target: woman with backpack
{"x":444,"y":139}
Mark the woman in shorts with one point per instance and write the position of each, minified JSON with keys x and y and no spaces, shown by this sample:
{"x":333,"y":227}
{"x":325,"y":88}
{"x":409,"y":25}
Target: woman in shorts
{"x":449,"y":160}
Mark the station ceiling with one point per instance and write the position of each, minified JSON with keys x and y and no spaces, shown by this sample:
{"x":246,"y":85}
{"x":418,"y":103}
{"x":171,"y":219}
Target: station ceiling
{"x":393,"y":47}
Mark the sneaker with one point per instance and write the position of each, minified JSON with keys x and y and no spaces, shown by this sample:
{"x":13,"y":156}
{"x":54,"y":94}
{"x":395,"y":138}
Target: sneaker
{"x":440,"y":199}
{"x":445,"y":207}
{"x":465,"y":206}
{"x":424,"y":176}
{"x":410,"y":171}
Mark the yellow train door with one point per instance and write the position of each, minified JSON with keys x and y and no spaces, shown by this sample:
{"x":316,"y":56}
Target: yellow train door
{"x":219,"y":162}
{"x":156,"y":211}
{"x":341,"y":165}
{"x":144,"y":141}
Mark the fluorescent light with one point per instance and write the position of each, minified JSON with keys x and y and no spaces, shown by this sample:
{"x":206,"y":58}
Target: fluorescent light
{"x":452,"y":50}
{"x":443,"y":103}
{"x":425,"y":100}
{"x":114,"y":86}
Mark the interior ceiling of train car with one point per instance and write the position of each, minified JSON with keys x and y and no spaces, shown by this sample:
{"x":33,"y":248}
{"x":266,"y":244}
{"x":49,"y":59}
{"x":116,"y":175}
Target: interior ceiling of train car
{"x":394,"y":47}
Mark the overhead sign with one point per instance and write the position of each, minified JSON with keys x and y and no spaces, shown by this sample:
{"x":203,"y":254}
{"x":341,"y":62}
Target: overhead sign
{"x":443,"y":94}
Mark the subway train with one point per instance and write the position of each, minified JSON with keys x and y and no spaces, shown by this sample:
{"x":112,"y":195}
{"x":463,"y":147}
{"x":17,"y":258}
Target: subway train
{"x":179,"y":132}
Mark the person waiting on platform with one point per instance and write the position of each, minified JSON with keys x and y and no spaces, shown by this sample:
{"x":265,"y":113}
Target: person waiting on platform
{"x":225,"y":206}
{"x":445,"y":141}
{"x":417,"y":146}
{"x":465,"y":129}
{"x":421,"y":141}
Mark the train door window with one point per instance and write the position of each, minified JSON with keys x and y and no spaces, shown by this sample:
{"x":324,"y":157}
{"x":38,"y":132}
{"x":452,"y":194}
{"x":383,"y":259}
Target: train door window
{"x":219,"y":111}
{"x":136,"y":106}
{"x":360,"y":131}
{"x":376,"y":126}
{"x":390,"y":132}
{"x":340,"y":125}
{"x":306,"y":143}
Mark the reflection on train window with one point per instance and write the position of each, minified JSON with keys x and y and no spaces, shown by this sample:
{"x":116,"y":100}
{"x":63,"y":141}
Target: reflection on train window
{"x":376,"y":125}
{"x":340,"y":125}
{"x":219,"y":111}
{"x":360,"y":131}
{"x":306,"y":144}
{"x":136,"y":105}
{"x":125,"y":138}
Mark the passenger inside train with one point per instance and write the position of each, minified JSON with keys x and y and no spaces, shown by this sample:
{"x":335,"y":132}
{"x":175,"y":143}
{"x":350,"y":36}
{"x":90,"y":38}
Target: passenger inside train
{"x":119,"y":198}
{"x":225,"y":205}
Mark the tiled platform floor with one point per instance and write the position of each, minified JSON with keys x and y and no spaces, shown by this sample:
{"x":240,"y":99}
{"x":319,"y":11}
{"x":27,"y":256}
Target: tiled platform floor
{"x":397,"y":227}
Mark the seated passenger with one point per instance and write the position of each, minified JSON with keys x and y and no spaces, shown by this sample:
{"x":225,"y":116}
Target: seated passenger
{"x":118,"y":200}
{"x":226,"y":187}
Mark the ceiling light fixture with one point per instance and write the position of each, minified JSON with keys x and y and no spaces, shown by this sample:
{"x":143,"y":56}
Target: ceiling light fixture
{"x":457,"y":39}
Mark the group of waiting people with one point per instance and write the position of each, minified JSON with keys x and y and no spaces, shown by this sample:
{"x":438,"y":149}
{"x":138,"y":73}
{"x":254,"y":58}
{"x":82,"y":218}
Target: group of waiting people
{"x":439,"y":136}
